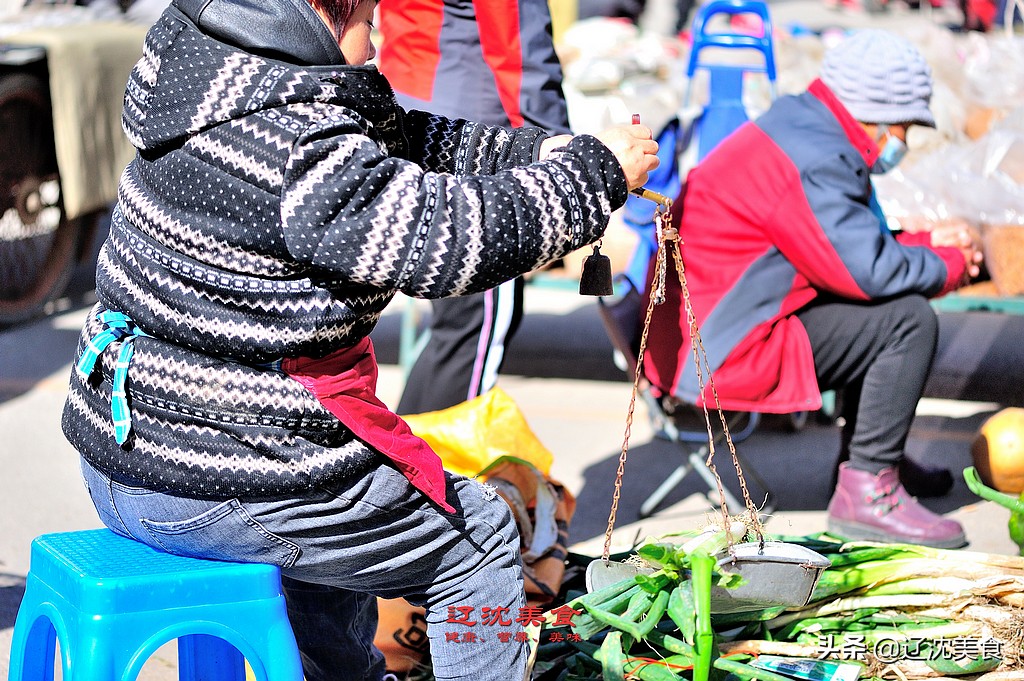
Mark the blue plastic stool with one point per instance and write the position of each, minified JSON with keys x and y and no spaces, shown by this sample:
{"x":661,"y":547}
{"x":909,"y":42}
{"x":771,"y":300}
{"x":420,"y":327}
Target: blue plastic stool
{"x":112,"y":602}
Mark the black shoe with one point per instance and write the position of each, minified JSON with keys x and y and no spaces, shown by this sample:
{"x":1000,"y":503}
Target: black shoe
{"x":924,"y":482}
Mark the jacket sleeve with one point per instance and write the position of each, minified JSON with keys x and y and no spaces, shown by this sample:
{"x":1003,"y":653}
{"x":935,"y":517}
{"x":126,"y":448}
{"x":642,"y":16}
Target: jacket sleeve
{"x":517,"y":44}
{"x":833,"y":238}
{"x":353,"y":215}
{"x":956,"y":267}
{"x":501,"y":52}
{"x":463,"y":147}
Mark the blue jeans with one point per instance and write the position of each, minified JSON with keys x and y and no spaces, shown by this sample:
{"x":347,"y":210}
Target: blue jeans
{"x":340,"y":548}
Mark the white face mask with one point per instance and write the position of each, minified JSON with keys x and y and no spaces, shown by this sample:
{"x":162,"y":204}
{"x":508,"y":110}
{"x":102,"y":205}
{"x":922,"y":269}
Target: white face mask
{"x":891,"y":154}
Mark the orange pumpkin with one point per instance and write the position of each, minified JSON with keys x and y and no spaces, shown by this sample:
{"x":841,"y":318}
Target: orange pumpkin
{"x":998,"y":451}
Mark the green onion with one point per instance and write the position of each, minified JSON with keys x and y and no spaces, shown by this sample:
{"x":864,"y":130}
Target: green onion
{"x":745,"y":671}
{"x":612,"y":657}
{"x":702,"y":565}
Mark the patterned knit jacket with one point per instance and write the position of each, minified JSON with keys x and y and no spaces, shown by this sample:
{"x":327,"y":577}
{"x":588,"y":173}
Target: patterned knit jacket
{"x":273,"y":210}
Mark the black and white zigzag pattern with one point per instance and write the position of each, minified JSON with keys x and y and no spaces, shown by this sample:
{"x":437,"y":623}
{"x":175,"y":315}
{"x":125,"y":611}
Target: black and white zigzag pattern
{"x":274,"y":211}
{"x":207,"y":426}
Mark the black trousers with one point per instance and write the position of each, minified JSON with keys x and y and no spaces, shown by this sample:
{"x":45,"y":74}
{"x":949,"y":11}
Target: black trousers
{"x":468,"y":339}
{"x":877,"y":356}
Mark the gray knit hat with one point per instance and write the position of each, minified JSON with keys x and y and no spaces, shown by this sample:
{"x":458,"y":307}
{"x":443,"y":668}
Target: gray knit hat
{"x":880,"y":78}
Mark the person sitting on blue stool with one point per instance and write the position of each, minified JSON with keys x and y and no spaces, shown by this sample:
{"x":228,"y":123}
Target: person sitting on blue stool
{"x":223,"y":399}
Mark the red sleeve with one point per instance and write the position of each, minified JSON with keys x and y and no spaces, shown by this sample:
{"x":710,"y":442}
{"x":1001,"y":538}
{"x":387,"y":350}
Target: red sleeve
{"x":500,"y":40}
{"x":411,"y":49}
{"x":951,"y":257}
{"x":915,"y":238}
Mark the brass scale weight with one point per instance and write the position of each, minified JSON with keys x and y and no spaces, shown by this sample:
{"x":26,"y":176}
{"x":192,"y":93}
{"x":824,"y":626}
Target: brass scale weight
{"x":774,"y":573}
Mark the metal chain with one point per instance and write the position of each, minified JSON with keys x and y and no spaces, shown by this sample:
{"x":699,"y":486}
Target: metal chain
{"x":657,"y":285}
{"x":665,"y":234}
{"x":700,"y":359}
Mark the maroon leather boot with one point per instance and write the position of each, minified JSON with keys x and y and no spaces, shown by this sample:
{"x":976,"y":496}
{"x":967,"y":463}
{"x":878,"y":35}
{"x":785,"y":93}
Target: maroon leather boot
{"x":878,"y":508}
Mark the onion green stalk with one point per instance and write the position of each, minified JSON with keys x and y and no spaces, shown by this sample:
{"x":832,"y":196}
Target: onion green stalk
{"x":650,"y":670}
{"x":613,"y":657}
{"x":671,"y":644}
{"x":681,"y":611}
{"x":658,"y":627}
{"x":702,"y":565}
{"x":745,"y":671}
{"x":1007,"y":564}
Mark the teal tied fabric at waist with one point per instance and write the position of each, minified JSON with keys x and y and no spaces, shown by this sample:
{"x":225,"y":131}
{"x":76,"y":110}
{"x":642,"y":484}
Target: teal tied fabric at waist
{"x":116,"y":326}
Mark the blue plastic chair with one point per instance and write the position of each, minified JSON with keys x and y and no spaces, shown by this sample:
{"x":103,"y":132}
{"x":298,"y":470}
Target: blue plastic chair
{"x":112,"y":602}
{"x":723,"y":112}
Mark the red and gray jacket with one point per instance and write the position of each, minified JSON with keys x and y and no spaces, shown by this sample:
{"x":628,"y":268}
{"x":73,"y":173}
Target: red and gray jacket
{"x":777,"y":213}
{"x":490,"y":61}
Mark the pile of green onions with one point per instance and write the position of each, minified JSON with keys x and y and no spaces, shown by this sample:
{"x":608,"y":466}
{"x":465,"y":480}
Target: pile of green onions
{"x":658,"y":627}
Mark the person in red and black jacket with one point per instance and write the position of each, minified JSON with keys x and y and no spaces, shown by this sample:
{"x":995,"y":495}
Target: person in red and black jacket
{"x":798,"y":286}
{"x":492,"y":62}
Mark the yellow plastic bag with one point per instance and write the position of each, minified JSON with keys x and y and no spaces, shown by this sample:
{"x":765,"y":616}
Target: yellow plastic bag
{"x":471,"y":436}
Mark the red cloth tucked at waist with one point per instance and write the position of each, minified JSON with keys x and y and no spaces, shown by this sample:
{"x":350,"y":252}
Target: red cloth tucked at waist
{"x":345,"y":382}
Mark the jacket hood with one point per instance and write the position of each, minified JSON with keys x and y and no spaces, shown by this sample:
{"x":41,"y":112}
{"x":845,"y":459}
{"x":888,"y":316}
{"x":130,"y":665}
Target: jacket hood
{"x":287,"y":30}
{"x":192,"y":78}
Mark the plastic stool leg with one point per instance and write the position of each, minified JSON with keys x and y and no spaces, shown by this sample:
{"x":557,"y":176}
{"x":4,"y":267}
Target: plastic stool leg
{"x":282,"y":663}
{"x":284,"y":667}
{"x":32,"y":651}
{"x":93,"y":658}
{"x":202,"y":657}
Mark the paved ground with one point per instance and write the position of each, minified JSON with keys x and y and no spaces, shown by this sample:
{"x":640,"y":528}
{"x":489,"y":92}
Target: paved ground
{"x":562,"y":375}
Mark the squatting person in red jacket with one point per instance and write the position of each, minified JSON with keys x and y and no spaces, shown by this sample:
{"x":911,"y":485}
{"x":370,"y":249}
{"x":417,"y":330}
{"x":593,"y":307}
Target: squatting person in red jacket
{"x":798,"y":286}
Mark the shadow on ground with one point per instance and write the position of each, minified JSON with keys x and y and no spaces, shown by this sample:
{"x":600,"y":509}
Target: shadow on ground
{"x":795,"y":468}
{"x":12,"y":590}
{"x":979,"y":359}
{"x":34,"y":349}
{"x":56,"y":349}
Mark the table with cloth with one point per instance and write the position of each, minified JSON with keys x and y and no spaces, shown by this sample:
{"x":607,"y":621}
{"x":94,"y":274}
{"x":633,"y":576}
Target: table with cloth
{"x":88,"y":62}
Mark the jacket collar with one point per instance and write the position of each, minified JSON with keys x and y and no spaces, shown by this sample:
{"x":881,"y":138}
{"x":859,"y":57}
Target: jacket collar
{"x":284,"y":30}
{"x":860,"y":140}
